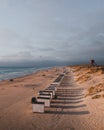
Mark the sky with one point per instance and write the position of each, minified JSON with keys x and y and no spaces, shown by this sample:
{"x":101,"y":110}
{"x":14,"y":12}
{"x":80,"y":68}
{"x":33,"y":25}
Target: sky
{"x":51,"y":32}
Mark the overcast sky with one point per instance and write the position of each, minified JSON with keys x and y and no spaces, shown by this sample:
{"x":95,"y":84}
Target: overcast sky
{"x":58,"y":31}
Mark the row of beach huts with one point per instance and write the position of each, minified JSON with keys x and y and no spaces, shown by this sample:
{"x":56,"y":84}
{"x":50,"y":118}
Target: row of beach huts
{"x":45,"y":97}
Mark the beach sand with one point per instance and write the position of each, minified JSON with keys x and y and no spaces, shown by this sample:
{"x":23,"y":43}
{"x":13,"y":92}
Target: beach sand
{"x":74,"y":109}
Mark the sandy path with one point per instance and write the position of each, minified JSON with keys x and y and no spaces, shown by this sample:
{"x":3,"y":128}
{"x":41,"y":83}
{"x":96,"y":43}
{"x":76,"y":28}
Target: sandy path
{"x":70,"y":111}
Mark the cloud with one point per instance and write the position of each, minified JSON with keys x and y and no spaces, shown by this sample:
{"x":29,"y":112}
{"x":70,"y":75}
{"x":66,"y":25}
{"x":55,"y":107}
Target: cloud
{"x":54,"y":31}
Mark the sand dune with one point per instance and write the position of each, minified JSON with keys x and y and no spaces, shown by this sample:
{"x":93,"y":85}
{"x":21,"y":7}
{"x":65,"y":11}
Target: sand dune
{"x":92,"y":78}
{"x":74,"y":108}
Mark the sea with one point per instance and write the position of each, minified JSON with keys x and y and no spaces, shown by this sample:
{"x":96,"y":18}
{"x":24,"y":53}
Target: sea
{"x":14,"y":72}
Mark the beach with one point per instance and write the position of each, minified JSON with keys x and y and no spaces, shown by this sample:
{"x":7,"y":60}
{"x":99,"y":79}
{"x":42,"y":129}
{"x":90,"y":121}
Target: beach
{"x":74,"y":109}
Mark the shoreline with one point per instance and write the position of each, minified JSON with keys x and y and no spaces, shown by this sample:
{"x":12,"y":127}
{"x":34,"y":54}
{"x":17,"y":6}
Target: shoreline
{"x":28,"y":77}
{"x":25,"y":75}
